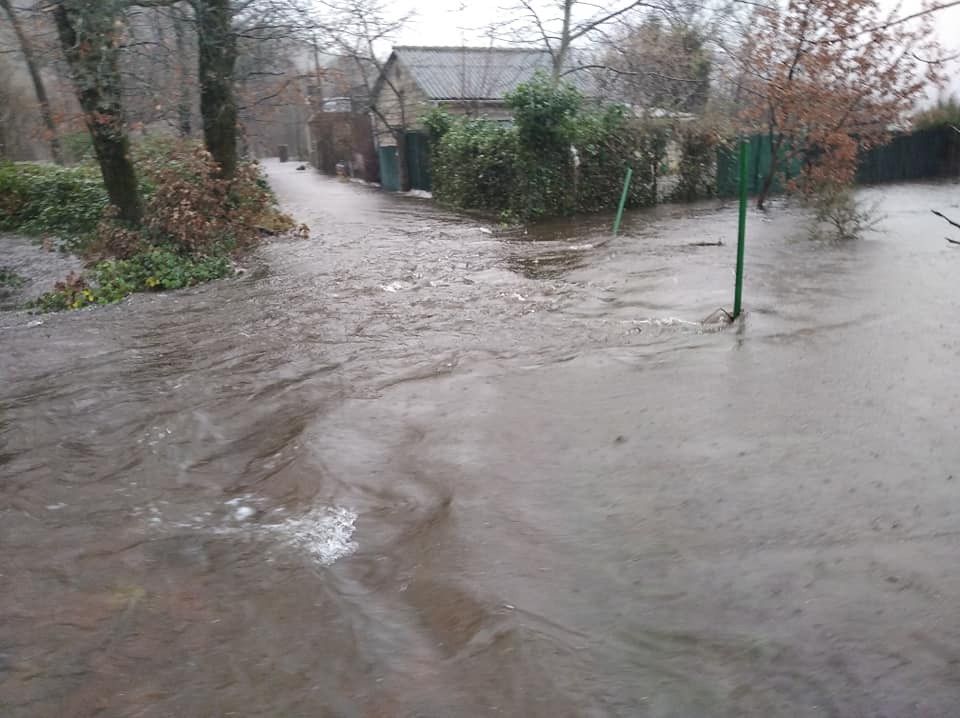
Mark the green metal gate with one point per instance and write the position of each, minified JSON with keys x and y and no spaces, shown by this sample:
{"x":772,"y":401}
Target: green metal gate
{"x":418,"y":161}
{"x":761,"y":156}
{"x":389,"y":169}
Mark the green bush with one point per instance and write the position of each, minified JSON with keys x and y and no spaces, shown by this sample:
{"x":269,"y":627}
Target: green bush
{"x":476,"y":167}
{"x":46,"y":199}
{"x":546,"y":114}
{"x":558,"y":157}
{"x":607,"y":144}
{"x":193,"y":221}
{"x":698,"y":164}
{"x":111,"y":280}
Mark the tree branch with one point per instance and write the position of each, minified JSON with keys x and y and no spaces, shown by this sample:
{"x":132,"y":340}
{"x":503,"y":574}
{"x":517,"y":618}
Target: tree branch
{"x":942,"y":216}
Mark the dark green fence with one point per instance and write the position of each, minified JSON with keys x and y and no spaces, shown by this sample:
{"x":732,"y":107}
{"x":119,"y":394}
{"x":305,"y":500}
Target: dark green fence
{"x":924,"y":154}
{"x":761,"y":155}
{"x":389,"y":169}
{"x":418,"y":164}
{"x":418,"y":161}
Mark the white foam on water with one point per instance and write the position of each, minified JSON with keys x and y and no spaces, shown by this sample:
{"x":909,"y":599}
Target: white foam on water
{"x":668,"y":322}
{"x":243,"y":513}
{"x":420,"y":193}
{"x":326,"y":533}
{"x":663,"y":322}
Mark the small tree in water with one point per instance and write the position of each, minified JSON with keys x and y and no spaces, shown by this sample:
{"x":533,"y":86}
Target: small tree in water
{"x":827,"y":78}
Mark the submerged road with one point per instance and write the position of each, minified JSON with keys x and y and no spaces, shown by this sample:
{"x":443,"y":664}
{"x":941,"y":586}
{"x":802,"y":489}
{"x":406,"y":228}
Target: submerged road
{"x":418,"y":466}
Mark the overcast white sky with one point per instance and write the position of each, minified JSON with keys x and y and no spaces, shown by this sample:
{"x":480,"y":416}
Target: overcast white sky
{"x":459,"y":22}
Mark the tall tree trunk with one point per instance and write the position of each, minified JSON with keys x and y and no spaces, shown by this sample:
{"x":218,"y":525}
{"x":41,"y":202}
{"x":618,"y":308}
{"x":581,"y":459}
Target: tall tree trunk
{"x":185,"y":102}
{"x":27,"y":49}
{"x":560,"y":56}
{"x":87,"y":33}
{"x":217,"y":49}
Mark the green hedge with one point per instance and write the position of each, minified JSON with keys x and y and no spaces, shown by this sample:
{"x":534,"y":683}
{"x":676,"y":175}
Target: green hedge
{"x":697,"y":171}
{"x":556,"y":158}
{"x":476,"y":166}
{"x":46,"y":199}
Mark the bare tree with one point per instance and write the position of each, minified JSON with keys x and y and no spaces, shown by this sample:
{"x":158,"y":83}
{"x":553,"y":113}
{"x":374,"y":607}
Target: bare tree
{"x":660,"y":63}
{"x":557,"y":25}
{"x":26,"y":48}
{"x":221,"y":25}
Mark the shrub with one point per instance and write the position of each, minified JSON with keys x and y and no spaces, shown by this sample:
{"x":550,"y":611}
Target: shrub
{"x":557,"y":158}
{"x":607,"y":144}
{"x":545,"y":113}
{"x":111,"y":280}
{"x":186,"y":205}
{"x":46,"y":199}
{"x":839,"y":215}
{"x":190,"y":208}
{"x":193,"y":221}
{"x":697,"y":171}
{"x":476,"y":166}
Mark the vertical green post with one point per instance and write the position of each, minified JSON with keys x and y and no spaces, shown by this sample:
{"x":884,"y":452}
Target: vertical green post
{"x":742,"y":226}
{"x":623,"y":200}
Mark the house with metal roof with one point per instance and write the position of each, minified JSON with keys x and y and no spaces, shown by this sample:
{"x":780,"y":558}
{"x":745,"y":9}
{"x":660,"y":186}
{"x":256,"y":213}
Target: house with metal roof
{"x":462,"y":80}
{"x":473,"y":81}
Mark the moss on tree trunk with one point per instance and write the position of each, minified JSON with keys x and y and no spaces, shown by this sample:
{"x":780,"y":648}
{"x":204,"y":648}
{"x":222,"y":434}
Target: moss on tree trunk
{"x":87,"y":33}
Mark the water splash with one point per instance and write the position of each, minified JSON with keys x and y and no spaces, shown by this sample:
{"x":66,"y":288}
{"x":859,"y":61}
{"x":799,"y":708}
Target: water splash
{"x":326,"y":533}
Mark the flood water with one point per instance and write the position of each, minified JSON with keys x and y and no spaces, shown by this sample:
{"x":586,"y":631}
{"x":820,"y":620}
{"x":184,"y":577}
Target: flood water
{"x":416,"y":466}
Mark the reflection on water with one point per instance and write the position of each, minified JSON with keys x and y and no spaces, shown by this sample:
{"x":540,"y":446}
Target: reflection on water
{"x":414,"y":466}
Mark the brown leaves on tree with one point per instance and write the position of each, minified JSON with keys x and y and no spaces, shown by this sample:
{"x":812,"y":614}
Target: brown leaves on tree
{"x":827,"y":78}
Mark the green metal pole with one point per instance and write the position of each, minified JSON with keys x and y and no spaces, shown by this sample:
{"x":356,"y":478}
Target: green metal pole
{"x":742,"y":227}
{"x":623,"y":200}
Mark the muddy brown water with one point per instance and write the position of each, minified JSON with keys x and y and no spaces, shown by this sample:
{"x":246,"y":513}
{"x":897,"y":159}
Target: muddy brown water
{"x":416,"y":467}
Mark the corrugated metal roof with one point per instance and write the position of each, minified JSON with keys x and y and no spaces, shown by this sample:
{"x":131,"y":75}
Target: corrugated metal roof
{"x":472,"y":73}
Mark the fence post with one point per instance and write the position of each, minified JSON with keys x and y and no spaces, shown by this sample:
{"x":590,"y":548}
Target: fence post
{"x":623,"y":200}
{"x":741,"y":227}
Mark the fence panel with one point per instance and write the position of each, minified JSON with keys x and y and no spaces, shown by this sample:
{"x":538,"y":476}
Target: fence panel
{"x":389,"y":169}
{"x":418,"y":161}
{"x":925,"y":154}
